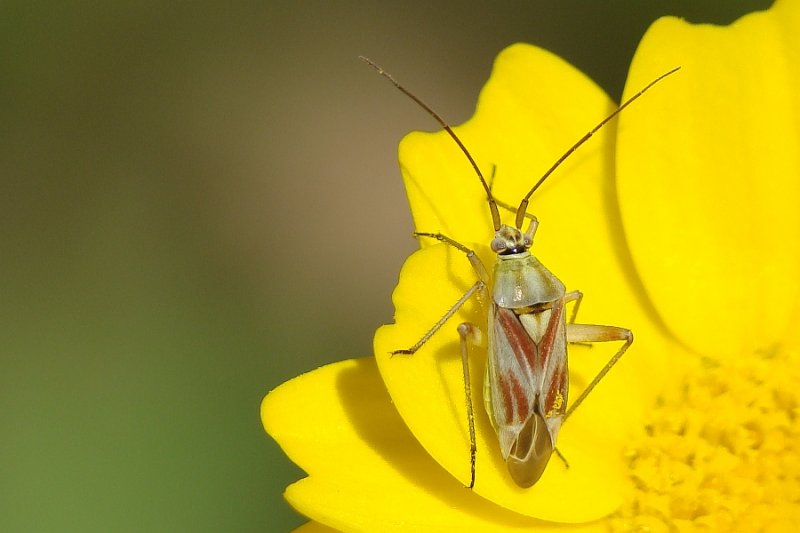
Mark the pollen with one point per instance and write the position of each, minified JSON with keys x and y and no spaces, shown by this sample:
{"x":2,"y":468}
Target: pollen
{"x":558,"y":403}
{"x":720,"y":452}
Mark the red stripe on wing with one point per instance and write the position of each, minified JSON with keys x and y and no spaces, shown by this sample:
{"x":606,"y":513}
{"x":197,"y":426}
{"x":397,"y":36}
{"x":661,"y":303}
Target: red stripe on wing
{"x":516,"y":393}
{"x":555,"y":398}
{"x":514,"y":396}
{"x":548,"y":339}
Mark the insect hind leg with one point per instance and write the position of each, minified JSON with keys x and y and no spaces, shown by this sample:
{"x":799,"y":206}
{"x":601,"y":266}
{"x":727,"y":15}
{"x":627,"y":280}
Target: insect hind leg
{"x":577,"y":297}
{"x":561,"y":456}
{"x":470,"y":334}
{"x":582,"y":333}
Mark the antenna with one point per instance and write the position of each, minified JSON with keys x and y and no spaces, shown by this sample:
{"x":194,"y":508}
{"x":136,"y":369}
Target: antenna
{"x":449,"y":130}
{"x":523,"y":206}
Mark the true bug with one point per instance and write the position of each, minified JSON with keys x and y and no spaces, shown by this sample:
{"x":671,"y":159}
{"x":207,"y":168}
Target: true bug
{"x":526,"y":381}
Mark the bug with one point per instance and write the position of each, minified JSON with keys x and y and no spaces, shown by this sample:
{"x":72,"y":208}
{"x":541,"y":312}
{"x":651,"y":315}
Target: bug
{"x":526,"y":381}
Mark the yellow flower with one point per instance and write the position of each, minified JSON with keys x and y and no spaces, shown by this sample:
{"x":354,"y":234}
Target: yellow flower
{"x":681,"y":222}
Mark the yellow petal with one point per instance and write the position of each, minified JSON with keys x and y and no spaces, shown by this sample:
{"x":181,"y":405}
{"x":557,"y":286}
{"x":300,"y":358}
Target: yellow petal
{"x":366,"y":471}
{"x":710,"y":178}
{"x":532,"y":110}
{"x":413,"y":506}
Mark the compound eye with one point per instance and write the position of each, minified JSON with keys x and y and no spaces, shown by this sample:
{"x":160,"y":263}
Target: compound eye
{"x":527,"y":240}
{"x":498,"y":245}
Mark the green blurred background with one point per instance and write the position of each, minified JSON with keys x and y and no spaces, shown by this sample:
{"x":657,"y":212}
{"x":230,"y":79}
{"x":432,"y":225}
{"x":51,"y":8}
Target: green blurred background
{"x":200,"y":201}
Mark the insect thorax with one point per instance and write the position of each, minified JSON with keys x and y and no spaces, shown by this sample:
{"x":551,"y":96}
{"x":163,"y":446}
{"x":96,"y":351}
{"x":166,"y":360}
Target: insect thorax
{"x":520,"y":280}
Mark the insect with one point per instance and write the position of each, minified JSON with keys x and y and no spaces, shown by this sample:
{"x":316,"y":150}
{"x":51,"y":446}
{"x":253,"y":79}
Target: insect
{"x":526,"y":381}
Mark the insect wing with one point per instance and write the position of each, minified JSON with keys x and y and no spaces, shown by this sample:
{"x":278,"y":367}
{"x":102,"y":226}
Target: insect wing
{"x":526,"y":386}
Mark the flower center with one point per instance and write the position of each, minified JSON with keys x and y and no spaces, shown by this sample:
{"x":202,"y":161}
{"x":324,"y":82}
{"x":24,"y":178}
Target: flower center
{"x":720,"y":452}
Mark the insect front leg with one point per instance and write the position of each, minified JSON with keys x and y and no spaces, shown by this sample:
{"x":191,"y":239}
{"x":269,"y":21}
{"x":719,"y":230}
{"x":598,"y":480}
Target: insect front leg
{"x":468,"y":333}
{"x":481,"y":284}
{"x":582,"y":333}
{"x":474,"y":260}
{"x":476,"y":287}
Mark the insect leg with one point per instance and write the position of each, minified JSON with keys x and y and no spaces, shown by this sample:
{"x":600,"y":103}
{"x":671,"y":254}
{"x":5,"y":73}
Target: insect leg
{"x":477,"y":286}
{"x":473,"y":258}
{"x":469,"y":334}
{"x":561,"y":456}
{"x":577,"y":297}
{"x":594,"y":333}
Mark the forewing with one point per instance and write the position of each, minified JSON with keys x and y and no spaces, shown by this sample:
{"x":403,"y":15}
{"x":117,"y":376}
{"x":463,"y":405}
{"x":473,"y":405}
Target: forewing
{"x":552,"y":360}
{"x":513,"y":383}
{"x":527,"y":386}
